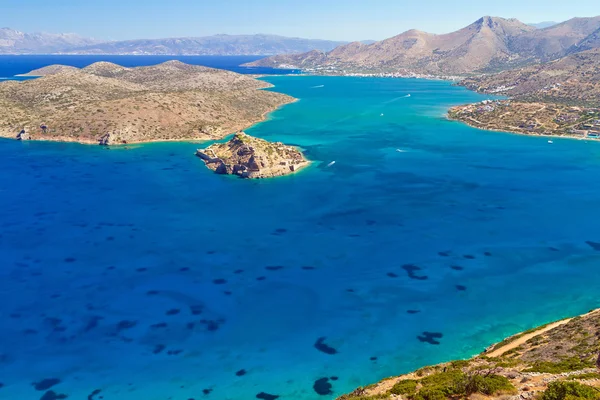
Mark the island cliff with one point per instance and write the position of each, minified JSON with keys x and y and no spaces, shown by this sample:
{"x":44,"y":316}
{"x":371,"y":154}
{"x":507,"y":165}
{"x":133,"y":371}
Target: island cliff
{"x":109,"y":104}
{"x":250,"y":157}
{"x":558,"y":361}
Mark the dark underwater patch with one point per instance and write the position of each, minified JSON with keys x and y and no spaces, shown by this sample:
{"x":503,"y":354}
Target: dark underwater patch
{"x":444,"y":254}
{"x":159,"y":325}
{"x":324,"y":348}
{"x":158,"y":348}
{"x":469,"y":257}
{"x":238,"y":271}
{"x":126,"y":324}
{"x":206,"y":391}
{"x":70,"y":260}
{"x":487,"y":254}
{"x":392,"y":275}
{"x":430,"y":337}
{"x":411,"y":269}
{"x":220,"y":281}
{"x":413,"y":311}
{"x":274,"y":267}
{"x":461,"y":288}
{"x":241,"y":372}
{"x":45,"y":384}
{"x":266,"y":396}
{"x":173,"y":311}
{"x":94,"y":393}
{"x":594,"y":245}
{"x":308,"y":268}
{"x":261,"y":278}
{"x":457,"y":268}
{"x":196,"y":310}
{"x":323,"y":387}
{"x":51,"y":395}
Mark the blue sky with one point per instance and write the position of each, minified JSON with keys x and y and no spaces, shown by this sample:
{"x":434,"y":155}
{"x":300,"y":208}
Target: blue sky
{"x":327,"y":19}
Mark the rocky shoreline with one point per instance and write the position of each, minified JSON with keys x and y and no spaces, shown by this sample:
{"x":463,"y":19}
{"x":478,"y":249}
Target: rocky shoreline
{"x":558,"y":357}
{"x":253,"y":158}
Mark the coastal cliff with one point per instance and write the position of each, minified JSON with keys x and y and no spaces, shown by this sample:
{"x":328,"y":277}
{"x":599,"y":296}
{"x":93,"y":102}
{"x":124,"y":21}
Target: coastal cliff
{"x":250,"y":157}
{"x":557,"y":361}
{"x":105,"y":103}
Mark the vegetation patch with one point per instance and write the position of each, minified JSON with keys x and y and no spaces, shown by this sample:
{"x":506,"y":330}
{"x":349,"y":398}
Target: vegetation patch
{"x":568,"y":365}
{"x":570,"y":391}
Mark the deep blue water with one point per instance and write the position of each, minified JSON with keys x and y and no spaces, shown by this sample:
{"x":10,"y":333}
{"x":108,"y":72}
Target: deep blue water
{"x":14,"y":65}
{"x":141,"y":273}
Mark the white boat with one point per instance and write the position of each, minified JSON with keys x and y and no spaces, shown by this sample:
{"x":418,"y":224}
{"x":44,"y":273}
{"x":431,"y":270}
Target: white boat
{"x":550,"y":141}
{"x":381,"y":115}
{"x":330,"y":164}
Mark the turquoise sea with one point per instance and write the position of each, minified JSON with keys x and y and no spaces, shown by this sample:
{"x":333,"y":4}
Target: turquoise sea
{"x":137,"y":273}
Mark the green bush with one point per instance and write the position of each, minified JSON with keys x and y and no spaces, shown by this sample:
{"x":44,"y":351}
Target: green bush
{"x":430,"y":394}
{"x":407,"y":387}
{"x":487,"y":384}
{"x":567,"y":365}
{"x":570,"y":391}
{"x":449,"y":383}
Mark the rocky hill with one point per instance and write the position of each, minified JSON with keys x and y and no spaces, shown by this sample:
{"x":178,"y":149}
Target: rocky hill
{"x":250,"y":157}
{"x":16,"y":42}
{"x":113,"y":104}
{"x":489,"y":44}
{"x":574,"y":79}
{"x":558,"y":361}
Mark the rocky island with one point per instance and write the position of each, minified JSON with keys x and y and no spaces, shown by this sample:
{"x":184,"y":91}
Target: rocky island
{"x":109,"y":104}
{"x":250,"y":157}
{"x":558,"y":361}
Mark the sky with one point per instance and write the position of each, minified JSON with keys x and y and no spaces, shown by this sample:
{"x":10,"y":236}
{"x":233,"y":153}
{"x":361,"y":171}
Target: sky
{"x":315,"y":19}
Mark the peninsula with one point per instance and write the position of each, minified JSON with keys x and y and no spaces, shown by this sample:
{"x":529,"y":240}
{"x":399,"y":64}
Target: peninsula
{"x":250,"y":157}
{"x":557,"y":361}
{"x":558,"y":98}
{"x":109,"y":104}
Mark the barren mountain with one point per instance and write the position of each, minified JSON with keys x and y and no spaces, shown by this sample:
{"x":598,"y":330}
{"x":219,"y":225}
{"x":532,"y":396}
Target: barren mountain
{"x":15,"y":42}
{"x":170,"y":101}
{"x":489,"y":44}
{"x":573,"y":79}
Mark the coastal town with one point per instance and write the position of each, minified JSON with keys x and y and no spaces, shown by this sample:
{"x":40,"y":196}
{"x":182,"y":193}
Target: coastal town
{"x":531,"y":118}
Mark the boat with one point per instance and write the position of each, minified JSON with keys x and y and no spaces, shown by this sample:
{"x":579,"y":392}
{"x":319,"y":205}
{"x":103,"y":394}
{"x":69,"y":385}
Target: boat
{"x":550,"y":141}
{"x":330,"y":164}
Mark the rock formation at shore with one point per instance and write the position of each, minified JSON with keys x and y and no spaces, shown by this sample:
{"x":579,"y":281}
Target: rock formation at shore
{"x":110,"y":104}
{"x":249,"y":157}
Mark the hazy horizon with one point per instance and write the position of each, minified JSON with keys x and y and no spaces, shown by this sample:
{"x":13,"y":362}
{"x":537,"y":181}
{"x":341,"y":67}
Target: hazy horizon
{"x":336,"y":20}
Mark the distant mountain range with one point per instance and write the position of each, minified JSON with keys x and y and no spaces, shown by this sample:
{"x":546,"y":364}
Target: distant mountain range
{"x":490,"y":44}
{"x":15,"y":42}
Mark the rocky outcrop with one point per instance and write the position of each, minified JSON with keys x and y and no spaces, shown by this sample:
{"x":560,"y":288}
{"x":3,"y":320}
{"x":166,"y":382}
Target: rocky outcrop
{"x":105,"y":140}
{"x":23,"y":135}
{"x":250,"y":157}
